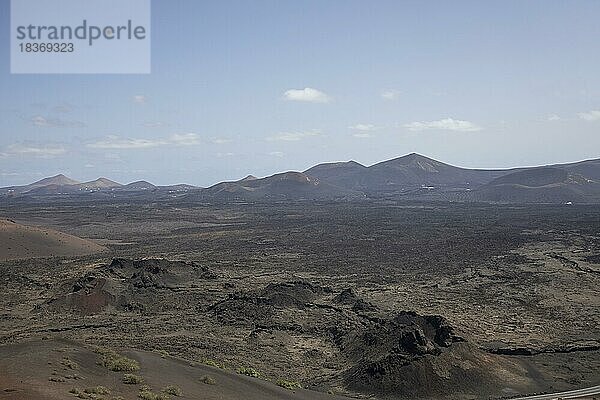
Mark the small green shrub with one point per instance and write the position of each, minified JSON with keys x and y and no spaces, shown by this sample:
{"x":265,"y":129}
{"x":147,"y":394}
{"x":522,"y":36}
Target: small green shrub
{"x":68,"y":363}
{"x":208,"y":380}
{"x":248,"y":371}
{"x":96,"y":390}
{"x":131,"y":379}
{"x":213,"y":363}
{"x":172,"y":390}
{"x":146,"y":395}
{"x":150,"y":395}
{"x":163,"y":353}
{"x":78,"y":393}
{"x":117,"y":362}
{"x":291,"y":385}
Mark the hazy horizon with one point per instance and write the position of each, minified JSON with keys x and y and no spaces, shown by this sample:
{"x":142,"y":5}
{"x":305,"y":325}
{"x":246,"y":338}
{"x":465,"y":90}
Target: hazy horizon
{"x":267,"y":87}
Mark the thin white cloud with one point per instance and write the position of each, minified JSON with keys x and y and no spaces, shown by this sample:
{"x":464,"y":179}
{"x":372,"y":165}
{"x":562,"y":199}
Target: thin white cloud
{"x":225,"y":154}
{"x":364,"y":127}
{"x":390,"y":94}
{"x":185,"y":139}
{"x":34,"y":150}
{"x":139,"y":99}
{"x":113,"y":157}
{"x":46,"y":122}
{"x":38,"y":120}
{"x":220,"y":140}
{"x":593,"y":115}
{"x":116,"y":142}
{"x":307,"y":95}
{"x":63,"y":108}
{"x":448,"y":124}
{"x":553,"y":117}
{"x":156,"y":124}
{"x":292,"y":136}
{"x":363,"y":135}
{"x":277,"y":154}
{"x":121,"y":143}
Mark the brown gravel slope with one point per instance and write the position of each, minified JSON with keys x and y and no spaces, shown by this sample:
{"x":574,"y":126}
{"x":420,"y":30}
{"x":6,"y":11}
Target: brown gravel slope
{"x":20,"y":242}
{"x":50,"y":369}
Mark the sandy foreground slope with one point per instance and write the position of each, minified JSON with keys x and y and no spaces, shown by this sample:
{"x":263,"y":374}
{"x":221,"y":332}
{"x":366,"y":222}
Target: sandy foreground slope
{"x":19,"y":241}
{"x":51,"y":368}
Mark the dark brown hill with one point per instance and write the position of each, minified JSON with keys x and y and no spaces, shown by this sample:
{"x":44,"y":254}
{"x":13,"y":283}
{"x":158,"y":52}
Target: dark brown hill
{"x":412,"y":170}
{"x":285,"y":186}
{"x":540,"y":185}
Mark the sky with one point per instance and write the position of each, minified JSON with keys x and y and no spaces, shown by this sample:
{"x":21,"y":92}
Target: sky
{"x":259,"y":87}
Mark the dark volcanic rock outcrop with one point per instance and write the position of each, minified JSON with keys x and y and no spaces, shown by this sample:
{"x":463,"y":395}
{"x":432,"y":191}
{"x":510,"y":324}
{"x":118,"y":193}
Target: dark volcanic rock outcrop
{"x":125,"y":284}
{"x":291,"y":294}
{"x":258,"y":308}
{"x":241,"y":309}
{"x":407,"y":334}
{"x":151,"y":273}
{"x":349,"y":297}
{"x":89,"y":294}
{"x":414,"y":356}
{"x":405,"y":355}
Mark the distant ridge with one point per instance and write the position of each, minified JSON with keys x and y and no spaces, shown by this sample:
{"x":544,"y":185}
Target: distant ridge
{"x":56,"y":180}
{"x":409,"y":177}
{"x":100,"y":183}
{"x":287,"y":185}
{"x":59,"y":179}
{"x":140,"y":185}
{"x":248,"y":178}
{"x":412,"y":170}
{"x":540,"y":185}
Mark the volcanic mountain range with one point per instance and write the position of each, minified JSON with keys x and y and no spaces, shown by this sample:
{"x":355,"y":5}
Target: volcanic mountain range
{"x":409,"y":177}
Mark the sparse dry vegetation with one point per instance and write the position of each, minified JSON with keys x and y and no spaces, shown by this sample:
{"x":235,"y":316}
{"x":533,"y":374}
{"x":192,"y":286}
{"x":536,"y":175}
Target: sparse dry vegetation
{"x":68,"y":363}
{"x":132,"y":379}
{"x":291,"y":385}
{"x":172,"y":390}
{"x":163,"y":353}
{"x":248,"y":371}
{"x":96,"y":390}
{"x":78,"y":393}
{"x":213,"y":363}
{"x":116,"y":362}
{"x":208,"y":380}
{"x":92,"y":393}
{"x":147,"y":394}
